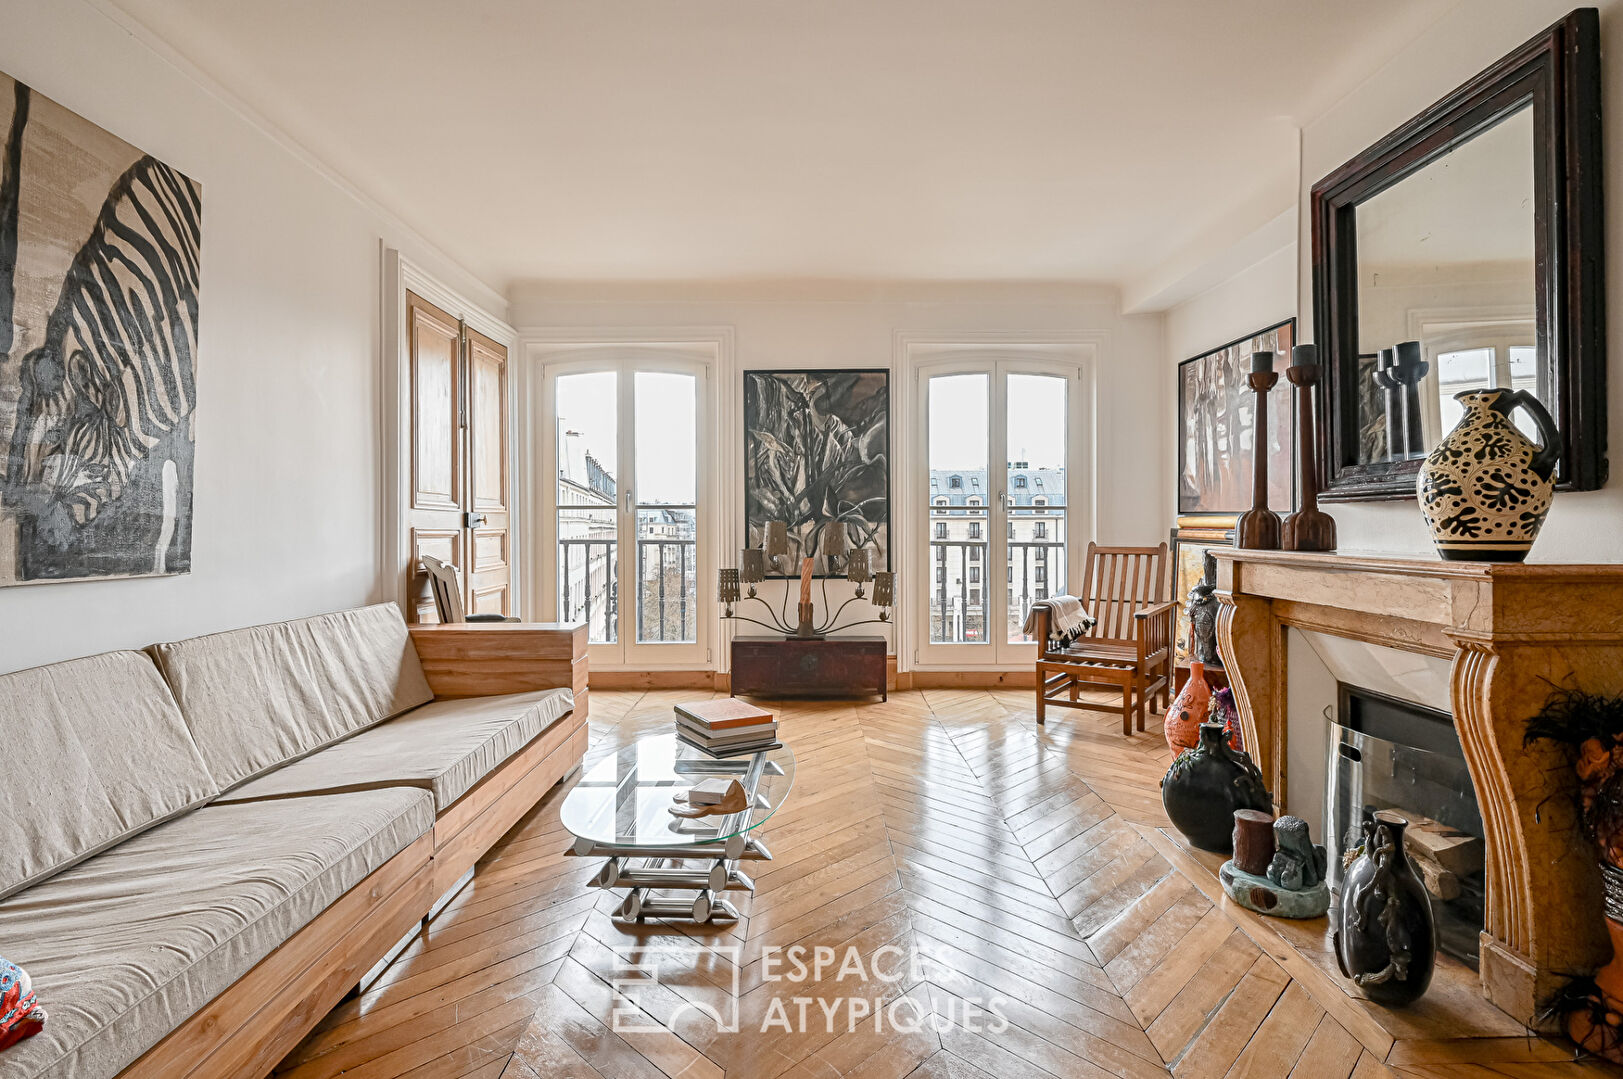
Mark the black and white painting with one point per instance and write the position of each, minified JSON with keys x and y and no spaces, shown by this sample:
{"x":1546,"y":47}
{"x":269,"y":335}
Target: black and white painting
{"x":1217,"y":426}
{"x":816,"y":450}
{"x":99,"y":250}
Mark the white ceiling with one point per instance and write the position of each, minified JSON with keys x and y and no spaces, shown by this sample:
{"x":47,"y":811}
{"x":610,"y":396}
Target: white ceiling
{"x":750,"y":140}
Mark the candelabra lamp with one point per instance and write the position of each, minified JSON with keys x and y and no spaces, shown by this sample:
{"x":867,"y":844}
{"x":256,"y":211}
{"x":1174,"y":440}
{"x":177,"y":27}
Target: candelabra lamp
{"x":1309,"y":528}
{"x":806,"y":625}
{"x":1258,"y":527}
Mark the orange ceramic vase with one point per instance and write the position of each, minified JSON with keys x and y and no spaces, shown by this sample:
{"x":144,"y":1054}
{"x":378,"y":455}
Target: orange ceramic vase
{"x":1189,"y":711}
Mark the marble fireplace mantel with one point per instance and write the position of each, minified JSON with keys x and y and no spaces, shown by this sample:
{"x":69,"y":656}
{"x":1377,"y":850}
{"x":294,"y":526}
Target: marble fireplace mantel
{"x":1510,"y":632}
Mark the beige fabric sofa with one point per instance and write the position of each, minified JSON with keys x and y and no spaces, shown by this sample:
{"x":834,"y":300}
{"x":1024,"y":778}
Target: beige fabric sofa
{"x":208,"y":843}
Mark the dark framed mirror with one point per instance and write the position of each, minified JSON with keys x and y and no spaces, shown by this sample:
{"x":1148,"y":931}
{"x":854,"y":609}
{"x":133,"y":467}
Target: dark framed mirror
{"x":1465,"y":250}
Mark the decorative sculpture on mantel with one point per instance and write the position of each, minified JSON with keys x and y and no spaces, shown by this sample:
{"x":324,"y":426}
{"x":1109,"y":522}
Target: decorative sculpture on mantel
{"x":1202,"y":603}
{"x":1309,"y":528}
{"x":1258,"y":527}
{"x":774,"y":551}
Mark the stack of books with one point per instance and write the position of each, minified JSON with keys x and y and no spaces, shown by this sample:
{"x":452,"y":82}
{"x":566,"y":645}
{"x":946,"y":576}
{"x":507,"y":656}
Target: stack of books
{"x":726,"y":728}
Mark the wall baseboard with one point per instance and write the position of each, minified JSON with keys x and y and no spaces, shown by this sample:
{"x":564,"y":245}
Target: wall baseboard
{"x":658,"y":680}
{"x":967,"y":680}
{"x":721,"y":681}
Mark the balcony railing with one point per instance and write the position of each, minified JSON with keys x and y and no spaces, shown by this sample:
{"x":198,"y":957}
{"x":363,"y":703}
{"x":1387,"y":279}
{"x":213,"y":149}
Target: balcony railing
{"x":670,"y":592}
{"x":1035,"y":570}
{"x":667,"y":573}
{"x":595,"y":603}
{"x":1027,"y":585}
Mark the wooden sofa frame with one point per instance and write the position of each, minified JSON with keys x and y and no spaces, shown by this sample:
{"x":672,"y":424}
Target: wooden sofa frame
{"x":246,"y":1030}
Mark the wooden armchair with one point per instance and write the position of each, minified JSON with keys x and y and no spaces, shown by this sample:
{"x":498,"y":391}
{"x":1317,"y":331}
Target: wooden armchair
{"x":1129,"y":648}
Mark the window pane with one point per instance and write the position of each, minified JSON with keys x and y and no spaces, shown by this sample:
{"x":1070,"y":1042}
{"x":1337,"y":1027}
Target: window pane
{"x":667,"y":439}
{"x":587,"y":426}
{"x":667,"y":425}
{"x":959,"y":411}
{"x":667,"y":576}
{"x":1036,"y":489}
{"x":1466,"y":368}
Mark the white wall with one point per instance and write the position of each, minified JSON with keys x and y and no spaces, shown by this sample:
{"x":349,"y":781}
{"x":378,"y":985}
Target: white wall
{"x":823,"y":325}
{"x":1583,"y":525}
{"x":289,"y":468}
{"x":1260,"y":295}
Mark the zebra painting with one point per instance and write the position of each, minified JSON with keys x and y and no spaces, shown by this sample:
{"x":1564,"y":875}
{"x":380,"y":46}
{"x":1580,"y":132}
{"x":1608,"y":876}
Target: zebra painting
{"x":99,"y":272}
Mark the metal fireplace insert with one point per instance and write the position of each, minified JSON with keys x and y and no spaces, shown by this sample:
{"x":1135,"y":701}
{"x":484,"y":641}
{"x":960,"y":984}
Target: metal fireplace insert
{"x":1386,"y":753}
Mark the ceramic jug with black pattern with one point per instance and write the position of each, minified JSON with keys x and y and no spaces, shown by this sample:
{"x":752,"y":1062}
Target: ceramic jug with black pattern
{"x":1486,"y":488}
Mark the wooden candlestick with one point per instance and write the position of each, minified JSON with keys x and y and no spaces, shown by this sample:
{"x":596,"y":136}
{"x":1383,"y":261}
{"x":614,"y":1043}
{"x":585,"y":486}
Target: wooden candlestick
{"x":1309,"y":528}
{"x":1387,"y":380}
{"x":1258,"y":527}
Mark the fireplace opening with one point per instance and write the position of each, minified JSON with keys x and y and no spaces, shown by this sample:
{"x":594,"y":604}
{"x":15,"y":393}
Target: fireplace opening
{"x":1386,"y":753}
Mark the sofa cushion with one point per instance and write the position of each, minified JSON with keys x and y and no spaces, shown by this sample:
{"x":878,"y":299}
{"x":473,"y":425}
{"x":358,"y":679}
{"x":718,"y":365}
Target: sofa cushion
{"x":95,"y":750}
{"x":125,"y":947}
{"x":256,"y":698}
{"x":445,"y":747}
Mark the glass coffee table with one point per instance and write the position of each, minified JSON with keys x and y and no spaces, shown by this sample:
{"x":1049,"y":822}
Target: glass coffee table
{"x":673,"y":867}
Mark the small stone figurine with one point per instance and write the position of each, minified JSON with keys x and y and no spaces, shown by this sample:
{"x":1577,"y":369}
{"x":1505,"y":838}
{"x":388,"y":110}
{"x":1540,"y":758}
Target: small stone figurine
{"x":1277,"y":869}
{"x":1203,"y":614}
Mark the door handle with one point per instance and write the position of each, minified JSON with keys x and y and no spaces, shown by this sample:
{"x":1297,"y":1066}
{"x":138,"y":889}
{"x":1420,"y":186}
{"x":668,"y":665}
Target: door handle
{"x":472,"y":519}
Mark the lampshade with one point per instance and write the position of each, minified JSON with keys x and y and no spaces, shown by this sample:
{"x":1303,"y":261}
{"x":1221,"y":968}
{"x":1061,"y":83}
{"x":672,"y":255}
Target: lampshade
{"x":884,"y":588}
{"x":856,"y":565}
{"x":834,"y":539}
{"x":752,"y":565}
{"x":776,"y":541}
{"x":727,"y":586}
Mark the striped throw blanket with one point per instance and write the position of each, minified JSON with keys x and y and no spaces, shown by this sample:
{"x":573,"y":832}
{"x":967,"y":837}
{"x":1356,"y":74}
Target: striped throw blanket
{"x":20,"y":1015}
{"x":1067,"y":618}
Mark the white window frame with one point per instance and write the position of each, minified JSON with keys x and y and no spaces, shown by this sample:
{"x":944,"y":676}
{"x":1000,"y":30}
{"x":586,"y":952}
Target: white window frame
{"x":706,"y":354}
{"x":1074,"y":357}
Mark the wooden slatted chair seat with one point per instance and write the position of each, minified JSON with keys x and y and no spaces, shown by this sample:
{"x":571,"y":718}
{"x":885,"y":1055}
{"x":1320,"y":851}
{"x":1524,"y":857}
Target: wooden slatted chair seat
{"x":1115,"y":654}
{"x":1129,"y":647}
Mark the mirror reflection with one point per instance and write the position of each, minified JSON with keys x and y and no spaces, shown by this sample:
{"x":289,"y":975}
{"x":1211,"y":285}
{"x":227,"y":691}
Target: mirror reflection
{"x":1447,"y":295}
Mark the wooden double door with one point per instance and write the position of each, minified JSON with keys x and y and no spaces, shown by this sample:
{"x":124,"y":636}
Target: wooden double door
{"x":460,"y":488}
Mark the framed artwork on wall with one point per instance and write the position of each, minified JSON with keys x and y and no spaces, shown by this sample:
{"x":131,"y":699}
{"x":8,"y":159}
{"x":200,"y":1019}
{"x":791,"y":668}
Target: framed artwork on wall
{"x":99,"y":261}
{"x":1216,"y":427}
{"x":817,"y":450}
{"x":1189,"y":547}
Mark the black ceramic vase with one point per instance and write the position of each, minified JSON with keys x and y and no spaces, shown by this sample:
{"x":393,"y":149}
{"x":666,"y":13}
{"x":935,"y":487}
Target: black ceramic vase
{"x":1204,"y":787}
{"x":1385,"y":939}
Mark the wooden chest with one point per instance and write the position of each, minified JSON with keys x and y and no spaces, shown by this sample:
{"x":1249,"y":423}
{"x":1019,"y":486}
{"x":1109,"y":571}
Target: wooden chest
{"x":785,"y":667}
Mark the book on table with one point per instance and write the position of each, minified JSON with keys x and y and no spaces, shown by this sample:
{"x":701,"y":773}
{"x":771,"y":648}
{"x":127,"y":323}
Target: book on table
{"x":725,"y":752}
{"x":740,"y":736}
{"x":726,"y":727}
{"x":723,"y":714}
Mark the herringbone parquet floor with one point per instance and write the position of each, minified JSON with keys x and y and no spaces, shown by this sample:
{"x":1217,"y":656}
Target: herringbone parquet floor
{"x":1061,"y":934}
